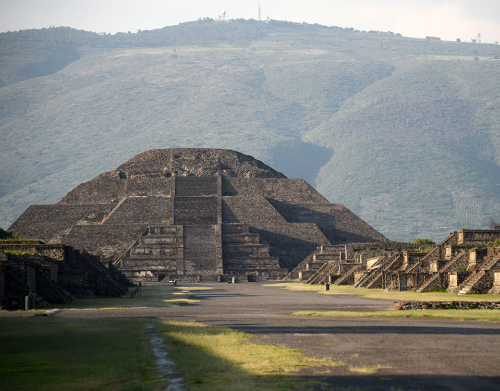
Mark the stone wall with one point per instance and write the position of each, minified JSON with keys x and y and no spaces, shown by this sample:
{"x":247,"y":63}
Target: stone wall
{"x":109,"y":188}
{"x":477,"y":236}
{"x":48,"y":222}
{"x":110,"y":240}
{"x":147,"y":210}
{"x":285,"y":190}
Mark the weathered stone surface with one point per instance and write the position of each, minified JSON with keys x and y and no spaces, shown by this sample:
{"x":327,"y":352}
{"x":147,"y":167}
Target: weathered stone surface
{"x":196,"y":212}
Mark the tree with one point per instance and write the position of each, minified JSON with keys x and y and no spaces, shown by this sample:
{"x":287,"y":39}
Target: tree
{"x":423,"y":242}
{"x":492,"y":223}
{"x":5,"y":234}
{"x":459,"y":40}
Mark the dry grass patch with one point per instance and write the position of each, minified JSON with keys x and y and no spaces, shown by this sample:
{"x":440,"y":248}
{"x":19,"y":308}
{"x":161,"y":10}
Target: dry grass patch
{"x":151,"y":296}
{"x":480,"y":315}
{"x":216,"y":358}
{"x":380,"y":294}
{"x":368,"y":370}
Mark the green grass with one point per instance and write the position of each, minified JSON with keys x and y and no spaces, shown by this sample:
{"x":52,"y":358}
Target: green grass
{"x":391,"y":295}
{"x":19,"y":252}
{"x":152,"y":295}
{"x":481,"y":315}
{"x":368,"y":370}
{"x":216,"y":358}
{"x":53,"y":353}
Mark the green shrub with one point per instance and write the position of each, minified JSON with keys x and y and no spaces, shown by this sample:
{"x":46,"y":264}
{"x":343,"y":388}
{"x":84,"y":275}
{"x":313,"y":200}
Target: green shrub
{"x":5,"y":234}
{"x":423,"y":242}
{"x":496,"y":243}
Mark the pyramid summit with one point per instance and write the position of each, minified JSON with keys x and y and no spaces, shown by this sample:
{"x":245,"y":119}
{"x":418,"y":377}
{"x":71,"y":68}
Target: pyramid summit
{"x":196,"y":213}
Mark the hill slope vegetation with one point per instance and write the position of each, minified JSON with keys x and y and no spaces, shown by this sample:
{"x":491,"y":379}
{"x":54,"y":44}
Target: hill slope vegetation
{"x":404,"y":132}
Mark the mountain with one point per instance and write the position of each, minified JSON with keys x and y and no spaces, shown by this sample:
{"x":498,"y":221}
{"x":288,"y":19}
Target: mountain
{"x":404,"y":132}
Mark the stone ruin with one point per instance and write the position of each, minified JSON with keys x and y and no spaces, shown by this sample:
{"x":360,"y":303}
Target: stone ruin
{"x":462,"y":263}
{"x":196,"y":214}
{"x":53,"y":273}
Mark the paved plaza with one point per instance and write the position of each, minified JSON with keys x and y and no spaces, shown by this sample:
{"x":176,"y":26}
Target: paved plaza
{"x":413,"y":354}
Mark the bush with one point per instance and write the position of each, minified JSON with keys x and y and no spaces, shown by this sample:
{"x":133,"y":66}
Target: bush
{"x":5,"y":234}
{"x":496,"y":243}
{"x":423,"y":242}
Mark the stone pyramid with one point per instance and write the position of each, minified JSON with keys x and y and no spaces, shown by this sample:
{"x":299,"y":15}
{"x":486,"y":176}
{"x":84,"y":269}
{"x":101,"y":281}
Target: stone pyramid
{"x":195,"y":213}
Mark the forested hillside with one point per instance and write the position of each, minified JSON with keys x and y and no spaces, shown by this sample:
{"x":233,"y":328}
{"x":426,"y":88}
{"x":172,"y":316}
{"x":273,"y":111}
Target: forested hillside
{"x":404,"y":132}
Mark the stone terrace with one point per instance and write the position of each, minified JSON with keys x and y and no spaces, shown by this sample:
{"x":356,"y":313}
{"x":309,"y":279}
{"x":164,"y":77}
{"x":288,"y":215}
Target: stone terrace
{"x":207,"y":195}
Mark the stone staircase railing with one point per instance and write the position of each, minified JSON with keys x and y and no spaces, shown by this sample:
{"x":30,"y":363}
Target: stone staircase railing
{"x":316,"y":277}
{"x":430,"y":256}
{"x":294,"y":274}
{"x":370,"y":273}
{"x":347,"y":274}
{"x":443,"y":269}
{"x":114,"y":209}
{"x":468,"y":284}
{"x":380,"y":273}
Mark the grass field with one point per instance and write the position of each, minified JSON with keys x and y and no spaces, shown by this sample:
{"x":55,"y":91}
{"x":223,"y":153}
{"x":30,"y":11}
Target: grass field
{"x":380,"y":294}
{"x":52,"y":353}
{"x":481,"y":315}
{"x":216,"y":358}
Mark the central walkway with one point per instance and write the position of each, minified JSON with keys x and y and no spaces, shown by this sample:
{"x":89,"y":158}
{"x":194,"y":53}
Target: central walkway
{"x":412,"y":354}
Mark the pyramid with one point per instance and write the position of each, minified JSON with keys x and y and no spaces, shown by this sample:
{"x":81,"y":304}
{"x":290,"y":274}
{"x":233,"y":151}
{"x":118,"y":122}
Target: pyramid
{"x":196,"y":213}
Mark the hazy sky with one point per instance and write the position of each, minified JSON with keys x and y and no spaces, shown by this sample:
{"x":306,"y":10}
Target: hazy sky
{"x":448,"y":19}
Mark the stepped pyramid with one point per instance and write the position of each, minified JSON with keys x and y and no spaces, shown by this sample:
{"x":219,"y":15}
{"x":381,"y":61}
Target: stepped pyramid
{"x":196,"y":213}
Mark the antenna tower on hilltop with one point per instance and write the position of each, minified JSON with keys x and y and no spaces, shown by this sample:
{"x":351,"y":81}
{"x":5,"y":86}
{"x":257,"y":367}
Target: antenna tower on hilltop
{"x":259,"y":11}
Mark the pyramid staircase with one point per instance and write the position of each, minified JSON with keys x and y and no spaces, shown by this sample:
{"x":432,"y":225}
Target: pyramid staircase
{"x":243,"y":254}
{"x":156,"y":251}
{"x":457,"y":262}
{"x":470,"y":282}
{"x":321,"y":276}
{"x":348,"y":277}
{"x":375,"y":276}
{"x":322,"y":263}
{"x":370,"y":273}
{"x":434,"y":254}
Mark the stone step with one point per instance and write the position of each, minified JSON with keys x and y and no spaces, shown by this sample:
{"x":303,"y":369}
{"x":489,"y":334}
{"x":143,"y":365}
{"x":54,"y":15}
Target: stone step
{"x":236,"y":239}
{"x":157,"y":252}
{"x":326,"y":257}
{"x":332,"y":248}
{"x":315,"y":265}
{"x":149,"y":264}
{"x":163,"y":230}
{"x":246,"y":250}
{"x":253,"y":259}
{"x":158,"y":240}
{"x":234,"y":229}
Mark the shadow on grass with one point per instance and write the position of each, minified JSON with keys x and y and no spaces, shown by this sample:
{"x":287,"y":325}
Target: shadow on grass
{"x":151,"y":296}
{"x":215,"y":358}
{"x":51,"y":353}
